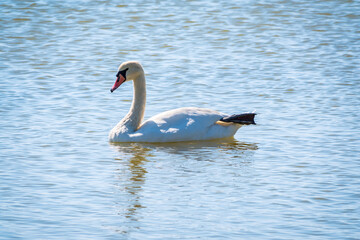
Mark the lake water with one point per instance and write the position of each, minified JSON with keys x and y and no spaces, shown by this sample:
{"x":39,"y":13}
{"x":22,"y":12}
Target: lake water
{"x":294,"y":175}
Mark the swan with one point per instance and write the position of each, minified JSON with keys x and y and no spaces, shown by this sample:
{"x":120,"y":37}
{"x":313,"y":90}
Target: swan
{"x":182,"y":124}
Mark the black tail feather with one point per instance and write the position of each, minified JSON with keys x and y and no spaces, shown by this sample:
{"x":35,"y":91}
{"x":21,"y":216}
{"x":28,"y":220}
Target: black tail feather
{"x":245,"y":118}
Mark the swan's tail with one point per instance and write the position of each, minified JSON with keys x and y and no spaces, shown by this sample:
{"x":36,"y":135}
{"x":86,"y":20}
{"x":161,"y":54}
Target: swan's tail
{"x":245,"y":118}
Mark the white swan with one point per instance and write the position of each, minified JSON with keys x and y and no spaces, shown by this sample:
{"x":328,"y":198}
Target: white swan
{"x":183,"y":124}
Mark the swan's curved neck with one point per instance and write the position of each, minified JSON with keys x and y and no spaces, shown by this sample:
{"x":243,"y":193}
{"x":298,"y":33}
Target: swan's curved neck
{"x":135,"y":116}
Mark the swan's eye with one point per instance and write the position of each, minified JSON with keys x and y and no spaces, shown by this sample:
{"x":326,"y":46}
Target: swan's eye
{"x":122,"y":72}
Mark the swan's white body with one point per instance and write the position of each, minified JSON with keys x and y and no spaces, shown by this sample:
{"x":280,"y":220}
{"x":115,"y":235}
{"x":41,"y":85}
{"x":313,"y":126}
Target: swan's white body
{"x":183,"y":124}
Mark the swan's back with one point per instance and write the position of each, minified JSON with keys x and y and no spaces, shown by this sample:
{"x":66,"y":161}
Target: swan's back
{"x":185,"y":117}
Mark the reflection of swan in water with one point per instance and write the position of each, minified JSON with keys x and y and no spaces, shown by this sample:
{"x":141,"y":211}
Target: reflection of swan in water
{"x":142,"y":150}
{"x":132,"y":172}
{"x":131,"y":177}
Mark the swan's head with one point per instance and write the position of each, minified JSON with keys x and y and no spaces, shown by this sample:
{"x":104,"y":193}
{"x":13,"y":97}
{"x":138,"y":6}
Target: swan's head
{"x":127,"y":71}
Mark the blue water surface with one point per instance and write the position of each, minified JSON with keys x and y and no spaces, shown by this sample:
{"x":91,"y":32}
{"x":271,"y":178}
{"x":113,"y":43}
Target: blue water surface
{"x":295,"y":175}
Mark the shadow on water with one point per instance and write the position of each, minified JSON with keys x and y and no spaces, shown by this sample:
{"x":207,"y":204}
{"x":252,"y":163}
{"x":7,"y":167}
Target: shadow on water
{"x":133,"y":158}
{"x":182,"y":147}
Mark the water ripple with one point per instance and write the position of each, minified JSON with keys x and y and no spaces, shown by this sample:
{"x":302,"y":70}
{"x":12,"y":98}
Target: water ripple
{"x":294,"y":175}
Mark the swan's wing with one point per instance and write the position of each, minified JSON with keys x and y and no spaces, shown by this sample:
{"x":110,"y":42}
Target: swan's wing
{"x":185,"y":117}
{"x":182,"y":123}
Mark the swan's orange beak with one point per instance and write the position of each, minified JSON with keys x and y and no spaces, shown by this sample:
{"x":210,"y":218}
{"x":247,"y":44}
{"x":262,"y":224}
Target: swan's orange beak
{"x":119,"y":80}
